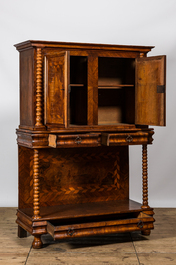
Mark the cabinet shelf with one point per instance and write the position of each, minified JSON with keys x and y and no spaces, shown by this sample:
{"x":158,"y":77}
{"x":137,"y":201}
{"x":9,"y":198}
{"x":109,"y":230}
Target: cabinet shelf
{"x":91,"y":209}
{"x":114,"y":86}
{"x":80,"y":85}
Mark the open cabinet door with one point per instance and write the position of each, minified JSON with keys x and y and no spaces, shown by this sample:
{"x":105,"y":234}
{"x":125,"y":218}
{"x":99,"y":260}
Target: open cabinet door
{"x":150,"y":91}
{"x":56,"y":80}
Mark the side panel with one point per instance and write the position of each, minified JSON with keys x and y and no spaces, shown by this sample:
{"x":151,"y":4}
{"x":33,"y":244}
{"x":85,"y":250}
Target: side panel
{"x":27,"y":87}
{"x":56,"y":88}
{"x":150,"y":93}
{"x":25,"y":177}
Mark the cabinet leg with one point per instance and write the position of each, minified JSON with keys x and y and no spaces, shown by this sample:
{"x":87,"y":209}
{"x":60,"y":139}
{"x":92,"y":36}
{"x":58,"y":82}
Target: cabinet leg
{"x":36,"y":188}
{"x":37,"y":243}
{"x":146,"y":232}
{"x":145,"y":177}
{"x":21,"y":232}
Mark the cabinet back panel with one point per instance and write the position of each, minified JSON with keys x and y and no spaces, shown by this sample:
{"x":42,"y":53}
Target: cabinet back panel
{"x":63,"y":179}
{"x":78,"y":70}
{"x":111,"y":104}
{"x":78,"y":106}
{"x":78,"y":95}
{"x":115,"y":71}
{"x":130,"y":105}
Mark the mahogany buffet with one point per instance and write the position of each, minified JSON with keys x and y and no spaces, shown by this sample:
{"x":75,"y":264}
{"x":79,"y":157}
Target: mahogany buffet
{"x":81,"y":106}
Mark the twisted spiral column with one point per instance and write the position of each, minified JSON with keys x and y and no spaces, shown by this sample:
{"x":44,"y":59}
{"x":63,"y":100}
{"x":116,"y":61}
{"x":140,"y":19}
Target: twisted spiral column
{"x":36,"y":191}
{"x":145,"y":177}
{"x":39,"y":96}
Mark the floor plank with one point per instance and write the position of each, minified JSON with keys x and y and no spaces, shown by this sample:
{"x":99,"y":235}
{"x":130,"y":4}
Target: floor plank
{"x":80,"y":258}
{"x":157,"y":258}
{"x":125,"y":248}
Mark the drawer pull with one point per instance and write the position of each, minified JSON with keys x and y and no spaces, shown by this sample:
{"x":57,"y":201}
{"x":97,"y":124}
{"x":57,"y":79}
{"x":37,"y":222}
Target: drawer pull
{"x":140,"y":224}
{"x":129,"y":139}
{"x":78,"y":140}
{"x":70,"y":232}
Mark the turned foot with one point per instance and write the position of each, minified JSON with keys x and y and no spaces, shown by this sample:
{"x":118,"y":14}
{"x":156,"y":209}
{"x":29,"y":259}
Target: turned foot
{"x":145,"y":232}
{"x":21,"y":232}
{"x":37,"y":243}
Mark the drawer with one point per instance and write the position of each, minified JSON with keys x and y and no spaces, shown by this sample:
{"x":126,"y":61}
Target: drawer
{"x":98,"y":228}
{"x":110,"y":139}
{"x":74,"y":140}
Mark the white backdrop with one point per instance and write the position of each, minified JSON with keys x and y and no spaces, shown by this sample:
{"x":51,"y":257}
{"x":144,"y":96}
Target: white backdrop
{"x":136,"y":22}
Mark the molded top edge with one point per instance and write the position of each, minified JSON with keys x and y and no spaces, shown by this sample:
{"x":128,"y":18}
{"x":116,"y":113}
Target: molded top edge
{"x":75,"y":45}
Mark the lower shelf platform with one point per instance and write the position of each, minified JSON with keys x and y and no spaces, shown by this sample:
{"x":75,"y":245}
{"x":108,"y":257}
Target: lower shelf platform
{"x":85,"y":209}
{"x":87,"y":219}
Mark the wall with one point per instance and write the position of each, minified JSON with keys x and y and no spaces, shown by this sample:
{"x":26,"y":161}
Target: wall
{"x":134,"y":22}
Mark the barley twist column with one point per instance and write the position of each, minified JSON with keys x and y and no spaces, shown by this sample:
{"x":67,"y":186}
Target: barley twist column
{"x":145,"y":207}
{"x":145,"y":177}
{"x":39,"y":91}
{"x":37,"y":242}
{"x":36,"y":191}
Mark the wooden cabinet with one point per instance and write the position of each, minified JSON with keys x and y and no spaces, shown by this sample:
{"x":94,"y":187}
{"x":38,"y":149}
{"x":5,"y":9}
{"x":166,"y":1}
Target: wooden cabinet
{"x":81,"y":106}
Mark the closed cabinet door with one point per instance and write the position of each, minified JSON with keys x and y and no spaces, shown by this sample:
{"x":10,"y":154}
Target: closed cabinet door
{"x":56,"y":80}
{"x":150,"y":91}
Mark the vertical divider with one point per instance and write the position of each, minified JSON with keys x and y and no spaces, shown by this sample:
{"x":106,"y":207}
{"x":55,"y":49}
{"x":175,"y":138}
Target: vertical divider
{"x":92,"y":104}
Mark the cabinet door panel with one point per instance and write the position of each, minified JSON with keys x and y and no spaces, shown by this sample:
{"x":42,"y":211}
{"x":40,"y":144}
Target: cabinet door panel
{"x":56,"y":88}
{"x":150,"y":93}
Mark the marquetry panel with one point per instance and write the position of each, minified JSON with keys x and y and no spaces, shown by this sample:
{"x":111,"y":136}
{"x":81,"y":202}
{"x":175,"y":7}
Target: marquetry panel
{"x":150,"y":95}
{"x":64,"y":180}
{"x":56,"y":83}
{"x":25,"y":157}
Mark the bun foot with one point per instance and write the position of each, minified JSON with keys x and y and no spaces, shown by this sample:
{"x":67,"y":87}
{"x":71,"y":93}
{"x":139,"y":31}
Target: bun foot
{"x":145,"y":232}
{"x":37,"y":243}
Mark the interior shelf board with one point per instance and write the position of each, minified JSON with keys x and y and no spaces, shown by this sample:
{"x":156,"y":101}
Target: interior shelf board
{"x":77,"y":85}
{"x":106,"y":123}
{"x":114,"y":86}
{"x":85,"y":209}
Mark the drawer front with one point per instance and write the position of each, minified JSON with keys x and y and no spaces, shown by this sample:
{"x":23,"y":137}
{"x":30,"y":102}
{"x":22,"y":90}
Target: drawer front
{"x":99,"y":228}
{"x":110,"y":139}
{"x":76,"y":140}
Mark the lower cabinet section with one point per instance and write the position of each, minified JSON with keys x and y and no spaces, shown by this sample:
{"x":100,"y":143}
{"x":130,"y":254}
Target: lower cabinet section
{"x":77,"y":192}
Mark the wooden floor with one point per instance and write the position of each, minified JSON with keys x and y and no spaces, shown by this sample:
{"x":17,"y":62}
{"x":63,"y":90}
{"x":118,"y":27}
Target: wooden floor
{"x":131,"y":248}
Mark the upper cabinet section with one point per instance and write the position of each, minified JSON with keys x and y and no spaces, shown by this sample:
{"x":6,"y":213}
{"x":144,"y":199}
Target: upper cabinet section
{"x":73,"y":85}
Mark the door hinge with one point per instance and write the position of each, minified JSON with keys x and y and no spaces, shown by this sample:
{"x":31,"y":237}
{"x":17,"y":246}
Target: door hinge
{"x":161,"y":89}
